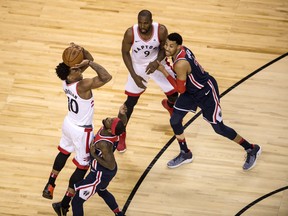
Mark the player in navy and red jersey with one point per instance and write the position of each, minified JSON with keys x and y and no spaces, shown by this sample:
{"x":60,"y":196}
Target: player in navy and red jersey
{"x":197,"y":88}
{"x":142,"y":46}
{"x":77,"y":127}
{"x":103,"y":165}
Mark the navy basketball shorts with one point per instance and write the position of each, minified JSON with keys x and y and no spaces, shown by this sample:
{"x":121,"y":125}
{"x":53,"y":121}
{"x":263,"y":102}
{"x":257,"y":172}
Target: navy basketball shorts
{"x":93,"y":182}
{"x":207,"y":99}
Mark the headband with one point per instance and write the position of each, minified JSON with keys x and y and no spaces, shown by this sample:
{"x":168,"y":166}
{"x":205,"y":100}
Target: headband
{"x":114,"y":124}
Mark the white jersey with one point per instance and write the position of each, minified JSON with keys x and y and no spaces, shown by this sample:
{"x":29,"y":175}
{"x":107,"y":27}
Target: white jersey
{"x":143,"y":52}
{"x":80,"y":111}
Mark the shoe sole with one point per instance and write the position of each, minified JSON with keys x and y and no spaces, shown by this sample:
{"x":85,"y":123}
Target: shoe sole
{"x":184,"y":162}
{"x":47,"y":196}
{"x":122,"y":151}
{"x":257,"y":155}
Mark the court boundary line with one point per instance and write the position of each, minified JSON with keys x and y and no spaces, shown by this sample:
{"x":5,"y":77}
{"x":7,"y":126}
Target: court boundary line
{"x":152,"y":163}
{"x":260,"y":199}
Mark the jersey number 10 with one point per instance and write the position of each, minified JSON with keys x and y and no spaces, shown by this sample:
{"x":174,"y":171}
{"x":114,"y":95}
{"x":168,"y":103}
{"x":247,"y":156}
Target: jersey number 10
{"x":73,"y":105}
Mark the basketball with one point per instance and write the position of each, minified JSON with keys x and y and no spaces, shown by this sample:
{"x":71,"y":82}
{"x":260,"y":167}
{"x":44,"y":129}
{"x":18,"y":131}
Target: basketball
{"x":72,"y":55}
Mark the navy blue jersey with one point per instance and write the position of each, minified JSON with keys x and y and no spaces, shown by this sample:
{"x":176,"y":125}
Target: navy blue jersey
{"x":197,"y":78}
{"x":201,"y":90}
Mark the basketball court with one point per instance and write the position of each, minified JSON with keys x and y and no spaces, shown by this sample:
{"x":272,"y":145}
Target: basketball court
{"x":243,"y":44}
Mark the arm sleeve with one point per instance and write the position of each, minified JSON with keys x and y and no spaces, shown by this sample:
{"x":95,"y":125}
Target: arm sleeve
{"x":179,"y":85}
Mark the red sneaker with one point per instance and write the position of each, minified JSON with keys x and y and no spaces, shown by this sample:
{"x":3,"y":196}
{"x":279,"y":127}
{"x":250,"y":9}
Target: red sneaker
{"x":121,"y":147}
{"x":167,"y":107}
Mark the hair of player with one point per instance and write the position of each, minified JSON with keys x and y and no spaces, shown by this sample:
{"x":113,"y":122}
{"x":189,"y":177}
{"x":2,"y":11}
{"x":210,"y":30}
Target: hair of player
{"x":145,"y":13}
{"x":175,"y":37}
{"x":62,"y":71}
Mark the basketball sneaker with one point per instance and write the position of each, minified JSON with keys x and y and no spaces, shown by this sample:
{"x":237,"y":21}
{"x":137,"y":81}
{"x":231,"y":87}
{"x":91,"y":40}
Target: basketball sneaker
{"x":48,"y":191}
{"x":167,"y":107}
{"x":182,"y":158}
{"x":59,"y":209}
{"x":251,"y":157}
{"x":121,"y":147}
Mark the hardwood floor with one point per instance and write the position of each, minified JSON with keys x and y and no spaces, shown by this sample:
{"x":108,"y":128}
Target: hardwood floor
{"x":231,"y":39}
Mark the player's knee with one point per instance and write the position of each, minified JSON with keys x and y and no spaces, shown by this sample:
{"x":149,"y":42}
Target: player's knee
{"x":217,"y":128}
{"x":176,"y":124}
{"x":77,"y":176}
{"x":102,"y":193}
{"x":224,"y":130}
{"x":173,"y":97}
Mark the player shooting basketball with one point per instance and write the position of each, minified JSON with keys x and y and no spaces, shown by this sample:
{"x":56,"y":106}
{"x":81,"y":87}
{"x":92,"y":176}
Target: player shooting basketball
{"x":77,"y":128}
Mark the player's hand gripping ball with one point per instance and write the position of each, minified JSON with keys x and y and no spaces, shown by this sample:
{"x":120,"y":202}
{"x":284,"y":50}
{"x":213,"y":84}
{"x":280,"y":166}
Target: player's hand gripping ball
{"x":73,"y":55}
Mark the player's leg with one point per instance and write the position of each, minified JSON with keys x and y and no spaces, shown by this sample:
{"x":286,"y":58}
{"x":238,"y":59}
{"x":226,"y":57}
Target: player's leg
{"x":172,"y":94}
{"x":253,"y":150}
{"x":168,"y":103}
{"x":166,"y":87}
{"x":130,"y":103}
{"x":110,"y":201}
{"x":77,"y":176}
{"x":77,"y":205}
{"x":213,"y":114}
{"x":183,"y":105}
{"x":65,"y":148}
{"x":59,"y":163}
{"x":85,"y":189}
{"x":185,"y":155}
{"x":61,"y":208}
{"x":82,"y":137}
{"x":133,"y":93}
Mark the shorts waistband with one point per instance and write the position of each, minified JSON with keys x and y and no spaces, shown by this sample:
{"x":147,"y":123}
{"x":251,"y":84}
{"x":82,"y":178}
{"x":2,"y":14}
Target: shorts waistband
{"x":86,"y":126}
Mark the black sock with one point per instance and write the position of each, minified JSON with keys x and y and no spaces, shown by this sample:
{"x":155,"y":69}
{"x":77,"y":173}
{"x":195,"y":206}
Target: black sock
{"x":245,"y":144}
{"x":183,"y":145}
{"x":66,"y":200}
{"x":52,"y":179}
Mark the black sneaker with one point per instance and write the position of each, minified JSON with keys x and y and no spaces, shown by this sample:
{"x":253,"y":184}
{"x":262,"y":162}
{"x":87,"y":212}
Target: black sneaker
{"x":48,"y":191}
{"x":119,"y":214}
{"x":59,"y":209}
{"x":182,"y":158}
{"x":251,"y":158}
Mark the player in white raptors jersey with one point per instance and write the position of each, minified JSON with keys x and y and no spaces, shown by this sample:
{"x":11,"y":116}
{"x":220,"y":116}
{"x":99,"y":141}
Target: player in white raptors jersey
{"x":142,"y":46}
{"x":77,"y":129}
